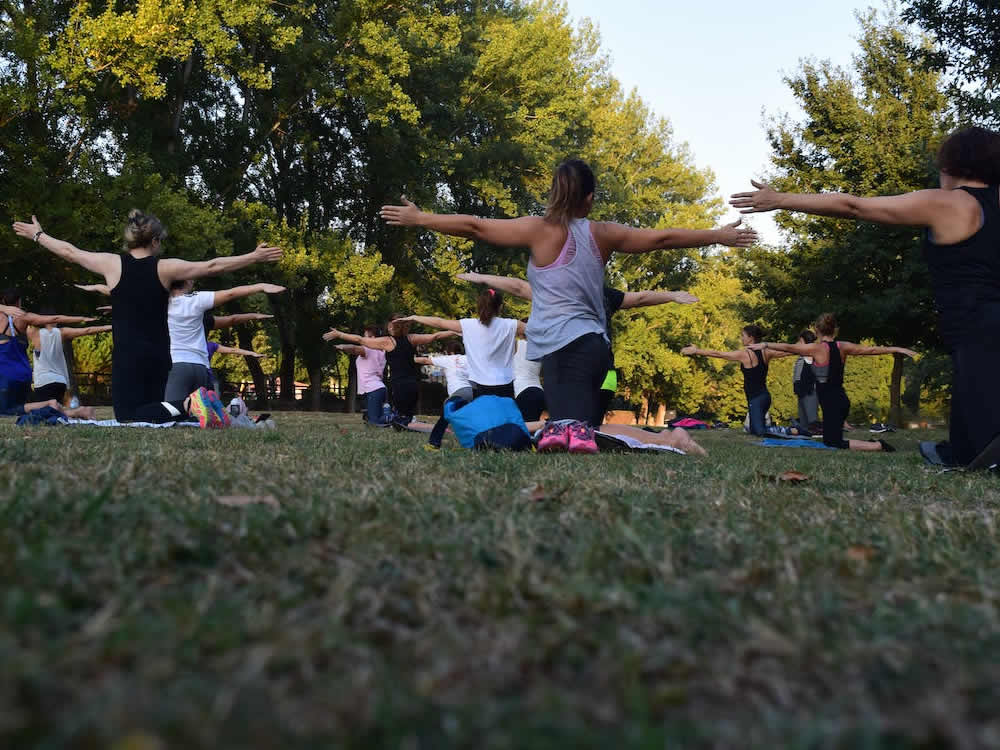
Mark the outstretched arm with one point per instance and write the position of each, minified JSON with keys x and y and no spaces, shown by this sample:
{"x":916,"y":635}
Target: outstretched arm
{"x":694,"y":351}
{"x":512,"y":286}
{"x":175,"y":269}
{"x":803,"y":350}
{"x":11,"y":311}
{"x":235,"y":350}
{"x":423,"y":361}
{"x":434,"y":322}
{"x":424,"y":339}
{"x":31,"y":319}
{"x":98,"y":288}
{"x":651,"y":298}
{"x":228,"y":295}
{"x":356,"y":351}
{"x":102,"y":263}
{"x":919,"y":208}
{"x":75,"y":333}
{"x":504,"y":232}
{"x":228,"y":321}
{"x":856,"y":350}
{"x":618,"y":237}
{"x":382,"y":343}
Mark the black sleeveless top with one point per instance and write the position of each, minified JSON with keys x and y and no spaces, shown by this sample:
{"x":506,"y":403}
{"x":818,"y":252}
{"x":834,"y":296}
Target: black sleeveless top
{"x":966,"y":276}
{"x":402,"y":368}
{"x":139,"y":313}
{"x":834,"y":370}
{"x":755,"y":378}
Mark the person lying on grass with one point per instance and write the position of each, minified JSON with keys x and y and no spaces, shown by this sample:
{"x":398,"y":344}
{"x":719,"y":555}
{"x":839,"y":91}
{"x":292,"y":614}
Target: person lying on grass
{"x":829,"y":357}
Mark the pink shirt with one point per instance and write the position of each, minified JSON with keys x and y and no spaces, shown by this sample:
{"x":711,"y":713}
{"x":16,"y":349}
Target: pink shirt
{"x":370,"y":369}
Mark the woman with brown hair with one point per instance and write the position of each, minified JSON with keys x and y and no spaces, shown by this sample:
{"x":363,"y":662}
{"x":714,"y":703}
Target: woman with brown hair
{"x":399,"y":346}
{"x":961,"y":223}
{"x":139,"y":281}
{"x":489,"y":344}
{"x":828,"y":358}
{"x":566,"y":330}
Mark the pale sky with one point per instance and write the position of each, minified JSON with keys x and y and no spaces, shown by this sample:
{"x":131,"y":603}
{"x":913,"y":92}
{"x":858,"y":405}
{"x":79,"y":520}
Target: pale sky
{"x":712,"y":69}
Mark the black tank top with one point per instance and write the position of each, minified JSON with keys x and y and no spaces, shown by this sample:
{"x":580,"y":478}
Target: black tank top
{"x":755,"y":378}
{"x":402,"y":368}
{"x":835,"y":371}
{"x":966,"y":276}
{"x":139,"y":312}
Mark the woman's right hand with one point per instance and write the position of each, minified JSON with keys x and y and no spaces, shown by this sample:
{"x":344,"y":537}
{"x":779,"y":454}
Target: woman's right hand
{"x":472,"y":278}
{"x":28,"y":230}
{"x":271,"y":288}
{"x":685,"y":298}
{"x":331,"y":335}
{"x":267,"y":254}
{"x":689,"y":350}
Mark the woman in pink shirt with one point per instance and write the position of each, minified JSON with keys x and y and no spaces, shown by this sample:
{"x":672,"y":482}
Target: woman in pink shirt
{"x":370,"y":364}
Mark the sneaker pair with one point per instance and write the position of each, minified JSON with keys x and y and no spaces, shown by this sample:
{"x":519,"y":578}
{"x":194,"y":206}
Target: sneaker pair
{"x":572,"y":437}
{"x":207,"y":406}
{"x":880,"y":427}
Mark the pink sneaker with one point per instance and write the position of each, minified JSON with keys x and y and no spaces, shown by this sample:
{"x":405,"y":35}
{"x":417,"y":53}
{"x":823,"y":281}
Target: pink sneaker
{"x":555,"y":438}
{"x":581,"y":438}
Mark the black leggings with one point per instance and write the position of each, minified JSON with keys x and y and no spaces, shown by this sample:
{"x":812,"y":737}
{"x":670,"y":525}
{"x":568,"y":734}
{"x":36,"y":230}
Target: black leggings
{"x":531,"y":402}
{"x":506,"y":390}
{"x":48,"y":391}
{"x":404,"y":398}
{"x":975,"y":411}
{"x":137,"y":388}
{"x":836,"y":406}
{"x":573,"y":376}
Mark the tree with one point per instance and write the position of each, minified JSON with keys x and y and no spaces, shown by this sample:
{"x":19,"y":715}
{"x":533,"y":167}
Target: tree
{"x":871,"y":131}
{"x":967,"y":33}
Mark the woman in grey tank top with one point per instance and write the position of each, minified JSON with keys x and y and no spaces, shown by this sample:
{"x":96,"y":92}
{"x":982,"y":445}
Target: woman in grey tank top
{"x":566,"y":330}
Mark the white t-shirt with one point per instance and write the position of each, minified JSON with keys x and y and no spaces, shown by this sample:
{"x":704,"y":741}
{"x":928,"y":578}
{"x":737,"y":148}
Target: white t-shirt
{"x":187,"y":331}
{"x":527,"y":373}
{"x":456,"y":372}
{"x":489,"y":350}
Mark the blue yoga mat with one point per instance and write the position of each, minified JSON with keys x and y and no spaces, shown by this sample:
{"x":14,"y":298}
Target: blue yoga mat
{"x":799,"y":443}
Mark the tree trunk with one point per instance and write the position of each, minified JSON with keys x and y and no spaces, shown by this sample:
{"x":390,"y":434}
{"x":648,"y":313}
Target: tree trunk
{"x":245,"y":340}
{"x":661,"y":415}
{"x":643,"y":410}
{"x":287,"y":373}
{"x":352,"y":387}
{"x":896,"y":390}
{"x":316,"y":388}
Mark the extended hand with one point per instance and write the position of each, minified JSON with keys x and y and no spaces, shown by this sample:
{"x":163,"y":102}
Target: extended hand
{"x":406,"y":215}
{"x":268,"y":254}
{"x":689,"y":350}
{"x":472,"y":278}
{"x":24,"y":229}
{"x":684,"y":298}
{"x":733,"y":235}
{"x":271,"y":288}
{"x":909,"y":353}
{"x":255,"y":355}
{"x":764,"y":198}
{"x":331,"y":335}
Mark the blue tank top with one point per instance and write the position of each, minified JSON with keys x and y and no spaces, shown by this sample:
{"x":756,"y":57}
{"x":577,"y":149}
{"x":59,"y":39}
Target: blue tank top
{"x":14,"y":365}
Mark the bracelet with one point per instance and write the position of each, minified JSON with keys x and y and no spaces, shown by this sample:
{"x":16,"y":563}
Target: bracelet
{"x":38,"y":234}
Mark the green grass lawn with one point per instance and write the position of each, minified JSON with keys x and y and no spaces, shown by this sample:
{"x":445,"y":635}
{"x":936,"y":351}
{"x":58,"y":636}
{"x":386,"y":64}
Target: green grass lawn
{"x":396,"y":598}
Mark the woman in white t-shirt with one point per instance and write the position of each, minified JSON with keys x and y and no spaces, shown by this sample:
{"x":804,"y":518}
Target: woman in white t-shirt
{"x":489,"y":344}
{"x":190,"y":368}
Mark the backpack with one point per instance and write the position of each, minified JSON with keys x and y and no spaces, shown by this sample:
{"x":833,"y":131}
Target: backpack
{"x":488,"y":423}
{"x":807,"y":383}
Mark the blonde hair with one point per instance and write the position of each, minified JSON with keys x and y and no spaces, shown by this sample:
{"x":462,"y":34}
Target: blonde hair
{"x":142,"y":228}
{"x":572,"y":183}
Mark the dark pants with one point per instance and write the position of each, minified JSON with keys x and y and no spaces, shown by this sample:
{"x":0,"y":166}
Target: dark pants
{"x":573,"y":376}
{"x":758,"y":406}
{"x":374,"y":401}
{"x":836,"y":406}
{"x":48,"y":391}
{"x":505,"y":391}
{"x":137,"y":389}
{"x":441,"y":426}
{"x":975,"y":409}
{"x":13,"y":395}
{"x":184,"y":379}
{"x":404,"y":399}
{"x":531,"y":402}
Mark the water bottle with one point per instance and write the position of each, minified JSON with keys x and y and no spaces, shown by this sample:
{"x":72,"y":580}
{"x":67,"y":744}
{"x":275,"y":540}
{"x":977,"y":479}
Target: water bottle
{"x":74,"y":403}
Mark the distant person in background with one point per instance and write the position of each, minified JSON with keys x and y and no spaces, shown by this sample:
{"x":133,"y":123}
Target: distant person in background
{"x":456,"y":375}
{"x":369,"y":365}
{"x":804,"y":385}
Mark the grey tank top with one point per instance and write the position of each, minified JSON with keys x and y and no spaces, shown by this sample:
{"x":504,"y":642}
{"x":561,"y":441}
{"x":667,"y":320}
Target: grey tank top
{"x":50,"y":362}
{"x":567,"y":297}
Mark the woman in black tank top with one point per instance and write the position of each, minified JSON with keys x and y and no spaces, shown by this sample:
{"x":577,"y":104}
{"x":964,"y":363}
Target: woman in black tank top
{"x":138,"y":280}
{"x":400,"y":347}
{"x":828,"y":366}
{"x":962,"y":225}
{"x":753,"y":365}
